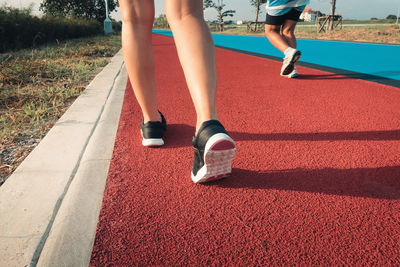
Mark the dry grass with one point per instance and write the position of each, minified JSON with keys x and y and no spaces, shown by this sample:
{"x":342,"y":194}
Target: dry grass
{"x":375,"y":34}
{"x":389,"y":34}
{"x":37,"y":86}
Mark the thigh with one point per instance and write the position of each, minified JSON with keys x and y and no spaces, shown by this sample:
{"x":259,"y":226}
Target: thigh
{"x":289,"y":25}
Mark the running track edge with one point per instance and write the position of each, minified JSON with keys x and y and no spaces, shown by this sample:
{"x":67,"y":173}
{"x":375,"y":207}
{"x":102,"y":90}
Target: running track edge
{"x":352,"y":74}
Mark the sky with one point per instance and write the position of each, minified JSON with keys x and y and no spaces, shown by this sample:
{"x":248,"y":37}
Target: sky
{"x":349,"y":9}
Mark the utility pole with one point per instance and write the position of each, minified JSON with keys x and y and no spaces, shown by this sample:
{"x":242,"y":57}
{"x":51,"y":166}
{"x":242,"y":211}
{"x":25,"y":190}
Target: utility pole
{"x":332,"y":20}
{"x":107,"y":21}
{"x":333,"y":7}
{"x":398,"y":14}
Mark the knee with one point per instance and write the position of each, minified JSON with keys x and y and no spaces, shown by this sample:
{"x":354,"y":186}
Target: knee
{"x":288,"y":32}
{"x":133,"y":16}
{"x":179,"y":15}
{"x":271,"y":30}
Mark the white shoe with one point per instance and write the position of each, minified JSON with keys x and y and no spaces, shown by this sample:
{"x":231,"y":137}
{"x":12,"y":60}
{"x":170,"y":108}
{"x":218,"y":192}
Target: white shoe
{"x":291,"y":56}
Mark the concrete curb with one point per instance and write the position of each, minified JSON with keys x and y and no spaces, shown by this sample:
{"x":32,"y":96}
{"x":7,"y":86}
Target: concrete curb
{"x":63,"y":177}
{"x":71,"y":238}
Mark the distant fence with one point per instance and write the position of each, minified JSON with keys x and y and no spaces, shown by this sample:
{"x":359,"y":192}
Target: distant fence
{"x":255,"y":26}
{"x":19,"y":29}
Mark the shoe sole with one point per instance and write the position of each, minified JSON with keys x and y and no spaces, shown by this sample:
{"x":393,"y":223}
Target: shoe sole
{"x":152,"y":142}
{"x":289,"y":68}
{"x":219,"y":152}
{"x":290,"y":77}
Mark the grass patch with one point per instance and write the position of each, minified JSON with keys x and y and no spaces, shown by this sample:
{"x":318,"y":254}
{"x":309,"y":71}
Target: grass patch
{"x":389,"y":34}
{"x":20,"y":29}
{"x":38,"y":85}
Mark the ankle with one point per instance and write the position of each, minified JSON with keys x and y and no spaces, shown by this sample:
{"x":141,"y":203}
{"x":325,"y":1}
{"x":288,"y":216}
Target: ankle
{"x":288,"y":50}
{"x":200,"y":123}
{"x":151,"y":117}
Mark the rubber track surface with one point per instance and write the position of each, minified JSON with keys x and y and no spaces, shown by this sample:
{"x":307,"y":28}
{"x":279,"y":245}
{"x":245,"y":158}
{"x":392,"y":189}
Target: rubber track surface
{"x":316,"y":178}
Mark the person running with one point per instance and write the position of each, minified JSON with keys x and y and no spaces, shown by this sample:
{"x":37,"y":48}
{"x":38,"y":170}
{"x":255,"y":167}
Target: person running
{"x":213,"y":148}
{"x":281,"y":20}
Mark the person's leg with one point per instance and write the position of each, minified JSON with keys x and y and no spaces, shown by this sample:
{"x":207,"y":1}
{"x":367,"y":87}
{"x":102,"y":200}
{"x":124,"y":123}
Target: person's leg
{"x":273,"y":33}
{"x":213,"y":148}
{"x":273,"y":27}
{"x":283,"y":44}
{"x":137,"y":18}
{"x":196,"y":53}
{"x":288,"y":32}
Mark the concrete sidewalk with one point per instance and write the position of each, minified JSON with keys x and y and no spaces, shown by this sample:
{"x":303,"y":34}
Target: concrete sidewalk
{"x":50,"y":205}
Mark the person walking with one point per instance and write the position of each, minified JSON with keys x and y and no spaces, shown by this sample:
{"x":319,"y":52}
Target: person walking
{"x":214,"y":149}
{"x":281,"y":19}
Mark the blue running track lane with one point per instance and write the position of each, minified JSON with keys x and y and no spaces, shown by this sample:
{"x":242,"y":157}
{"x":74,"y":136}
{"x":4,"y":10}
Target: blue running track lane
{"x":375,"y":62}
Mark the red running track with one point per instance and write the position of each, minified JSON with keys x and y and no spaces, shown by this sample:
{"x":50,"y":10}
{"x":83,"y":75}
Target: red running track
{"x":316,"y":177}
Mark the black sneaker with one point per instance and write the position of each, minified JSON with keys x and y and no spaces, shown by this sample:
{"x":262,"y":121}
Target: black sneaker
{"x":213,"y":153}
{"x":153,"y":131}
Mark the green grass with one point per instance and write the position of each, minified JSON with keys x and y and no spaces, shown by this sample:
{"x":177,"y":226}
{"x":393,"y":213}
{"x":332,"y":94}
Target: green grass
{"x":38,"y":85}
{"x":376,"y":21}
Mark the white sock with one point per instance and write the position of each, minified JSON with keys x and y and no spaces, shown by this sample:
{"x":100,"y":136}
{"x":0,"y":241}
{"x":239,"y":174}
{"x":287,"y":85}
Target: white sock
{"x":289,"y":49}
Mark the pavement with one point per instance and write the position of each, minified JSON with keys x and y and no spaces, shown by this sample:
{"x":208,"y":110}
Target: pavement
{"x":318,"y":185}
{"x":60,"y":185}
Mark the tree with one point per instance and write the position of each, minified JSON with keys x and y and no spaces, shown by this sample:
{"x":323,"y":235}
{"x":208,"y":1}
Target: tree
{"x":207,"y":4}
{"x":257,"y":4}
{"x":91,"y":9}
{"x":161,"y":22}
{"x":219,"y":6}
{"x":391,"y":17}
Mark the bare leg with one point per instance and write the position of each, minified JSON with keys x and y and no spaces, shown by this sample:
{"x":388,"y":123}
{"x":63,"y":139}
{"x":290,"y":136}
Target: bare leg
{"x":196,"y":53}
{"x":288,"y":32}
{"x":137,"y":17}
{"x":274,"y":36}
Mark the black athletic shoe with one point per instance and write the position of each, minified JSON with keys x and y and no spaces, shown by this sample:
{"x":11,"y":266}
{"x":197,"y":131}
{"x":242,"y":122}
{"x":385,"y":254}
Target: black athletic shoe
{"x":213,"y":153}
{"x":153,"y":131}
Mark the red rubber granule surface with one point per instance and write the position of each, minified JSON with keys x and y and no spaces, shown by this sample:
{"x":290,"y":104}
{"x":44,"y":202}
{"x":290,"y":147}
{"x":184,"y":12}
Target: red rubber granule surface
{"x":316,"y":177}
